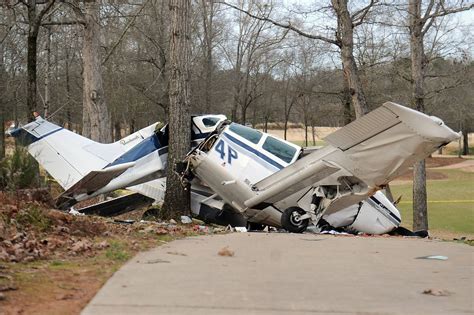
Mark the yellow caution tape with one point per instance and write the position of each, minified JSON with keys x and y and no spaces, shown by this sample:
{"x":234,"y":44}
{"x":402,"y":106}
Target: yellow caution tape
{"x":441,"y":201}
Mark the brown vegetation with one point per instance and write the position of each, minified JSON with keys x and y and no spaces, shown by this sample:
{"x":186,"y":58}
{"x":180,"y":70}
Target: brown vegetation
{"x":52,"y":262}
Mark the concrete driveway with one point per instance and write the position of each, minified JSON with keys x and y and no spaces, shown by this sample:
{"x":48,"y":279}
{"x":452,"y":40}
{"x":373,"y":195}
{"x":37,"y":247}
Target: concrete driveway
{"x":292,"y":274}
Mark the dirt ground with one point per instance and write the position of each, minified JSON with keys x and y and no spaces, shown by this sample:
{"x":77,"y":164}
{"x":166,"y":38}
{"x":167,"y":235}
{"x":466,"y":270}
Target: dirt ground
{"x":53,"y":262}
{"x":432,"y":166}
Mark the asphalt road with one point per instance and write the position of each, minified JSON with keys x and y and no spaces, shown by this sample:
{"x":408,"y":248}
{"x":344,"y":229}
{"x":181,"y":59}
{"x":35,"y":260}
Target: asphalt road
{"x":292,"y":274}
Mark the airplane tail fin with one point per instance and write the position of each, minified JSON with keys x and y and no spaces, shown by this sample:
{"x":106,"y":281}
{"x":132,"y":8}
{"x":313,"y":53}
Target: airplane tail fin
{"x":65,"y":155}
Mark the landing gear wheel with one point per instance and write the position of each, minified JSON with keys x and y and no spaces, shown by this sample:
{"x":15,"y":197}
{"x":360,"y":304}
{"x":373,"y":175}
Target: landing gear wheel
{"x":290,"y":220}
{"x":252,"y":226}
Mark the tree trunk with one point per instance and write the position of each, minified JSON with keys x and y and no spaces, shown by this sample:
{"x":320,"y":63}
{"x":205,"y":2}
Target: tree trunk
{"x":33,"y":29}
{"x":47,"y":79}
{"x":3,"y":89}
{"x":96,"y":118}
{"x":306,"y":133}
{"x":117,"y":131}
{"x":465,"y":138}
{"x":346,"y":100}
{"x":420,"y":207}
{"x":177,"y":199}
{"x":68,"y":95}
{"x":208,"y":15}
{"x":244,"y":115}
{"x":349,"y":66}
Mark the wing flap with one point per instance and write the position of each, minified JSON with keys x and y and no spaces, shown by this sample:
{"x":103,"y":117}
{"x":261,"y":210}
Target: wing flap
{"x":363,"y":128}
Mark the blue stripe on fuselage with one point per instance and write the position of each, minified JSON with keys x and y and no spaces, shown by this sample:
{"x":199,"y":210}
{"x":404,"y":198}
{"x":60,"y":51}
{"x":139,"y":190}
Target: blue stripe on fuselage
{"x":145,"y":147}
{"x":25,"y":138}
{"x":254,"y":151}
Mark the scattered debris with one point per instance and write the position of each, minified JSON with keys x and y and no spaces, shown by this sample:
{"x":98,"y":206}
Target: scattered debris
{"x":226,"y":252}
{"x":157,"y":261}
{"x":313,"y":239}
{"x":124,"y":221}
{"x":333,"y":232}
{"x":75,"y":212}
{"x":201,"y":228}
{"x":172,"y":221}
{"x":437,"y":292}
{"x":434,"y":257}
{"x":3,"y":297}
{"x":241,"y":229}
{"x":186,"y":220}
{"x":177,"y":253}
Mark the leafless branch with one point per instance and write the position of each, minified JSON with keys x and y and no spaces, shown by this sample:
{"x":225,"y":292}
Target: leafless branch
{"x":127,"y":27}
{"x":73,"y":22}
{"x":359,"y":16}
{"x":286,"y":26}
{"x":48,"y":6}
{"x":429,"y":18}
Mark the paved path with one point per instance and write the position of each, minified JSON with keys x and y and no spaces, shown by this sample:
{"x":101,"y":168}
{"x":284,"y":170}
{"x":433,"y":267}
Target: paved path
{"x":291,"y":274}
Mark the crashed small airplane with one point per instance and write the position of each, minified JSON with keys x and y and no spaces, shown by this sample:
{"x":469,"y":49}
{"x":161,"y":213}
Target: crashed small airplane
{"x":239,"y":175}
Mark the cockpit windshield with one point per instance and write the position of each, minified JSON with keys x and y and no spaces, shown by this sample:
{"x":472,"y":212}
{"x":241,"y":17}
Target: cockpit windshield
{"x":250,"y":134}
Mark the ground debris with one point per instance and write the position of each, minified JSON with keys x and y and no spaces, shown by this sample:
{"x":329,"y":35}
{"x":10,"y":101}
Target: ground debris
{"x":434,"y":257}
{"x":177,"y":253}
{"x":226,"y":252}
{"x":437,"y":292}
{"x":31,"y":231}
{"x":81,"y":246}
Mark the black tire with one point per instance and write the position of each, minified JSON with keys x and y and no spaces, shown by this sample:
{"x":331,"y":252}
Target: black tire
{"x":289,"y":223}
{"x":252,"y":226}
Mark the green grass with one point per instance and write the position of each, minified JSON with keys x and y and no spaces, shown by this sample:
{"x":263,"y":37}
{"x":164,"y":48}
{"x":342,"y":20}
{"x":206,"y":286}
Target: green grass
{"x":117,"y":251}
{"x":34,"y":216}
{"x":450,"y":202}
{"x":452,"y":150}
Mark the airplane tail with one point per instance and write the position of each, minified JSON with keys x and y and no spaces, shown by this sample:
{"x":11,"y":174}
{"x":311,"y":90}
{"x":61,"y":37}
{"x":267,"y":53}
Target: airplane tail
{"x":66,"y":156}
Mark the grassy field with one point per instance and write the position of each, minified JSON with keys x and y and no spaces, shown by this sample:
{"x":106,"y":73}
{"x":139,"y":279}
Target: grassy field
{"x":302,"y":143}
{"x":450,"y":203}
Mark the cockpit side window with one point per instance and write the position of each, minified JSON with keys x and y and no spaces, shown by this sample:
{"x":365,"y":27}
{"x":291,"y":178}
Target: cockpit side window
{"x":279,"y":149}
{"x":210,"y":121}
{"x":250,"y":134}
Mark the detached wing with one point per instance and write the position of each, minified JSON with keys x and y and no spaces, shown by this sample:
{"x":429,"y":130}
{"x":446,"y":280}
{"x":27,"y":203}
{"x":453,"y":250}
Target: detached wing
{"x":93,"y":181}
{"x":375,"y":149}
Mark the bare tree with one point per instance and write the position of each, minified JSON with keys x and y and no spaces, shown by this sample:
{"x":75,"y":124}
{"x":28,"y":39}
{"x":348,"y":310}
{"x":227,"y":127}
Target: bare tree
{"x":36,"y":11}
{"x":96,"y":117}
{"x":177,"y":200}
{"x":3,"y":80}
{"x":208,"y":12}
{"x":343,"y":39}
{"x":419,"y":23}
